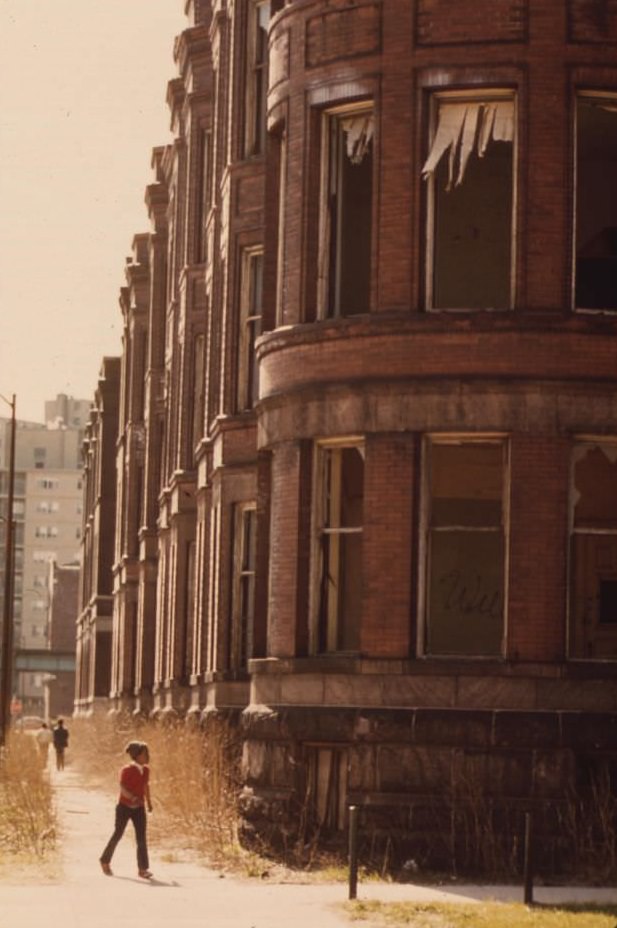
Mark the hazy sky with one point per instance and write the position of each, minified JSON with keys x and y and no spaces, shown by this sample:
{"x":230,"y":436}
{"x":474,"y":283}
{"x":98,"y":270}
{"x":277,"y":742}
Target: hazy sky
{"x":82,"y":104}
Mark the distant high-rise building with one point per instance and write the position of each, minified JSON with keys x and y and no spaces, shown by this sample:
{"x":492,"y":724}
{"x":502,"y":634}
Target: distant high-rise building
{"x":47,"y":511}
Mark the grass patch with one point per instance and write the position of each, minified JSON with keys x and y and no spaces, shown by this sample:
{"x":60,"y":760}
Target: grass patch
{"x":481,"y":915}
{"x":27,"y":815}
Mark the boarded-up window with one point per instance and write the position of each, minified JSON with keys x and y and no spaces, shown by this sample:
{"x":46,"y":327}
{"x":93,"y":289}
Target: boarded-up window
{"x":470,"y":174}
{"x":346,"y":214}
{"x":339,"y":541}
{"x":465,"y":548}
{"x":596,"y":203}
{"x":243,"y":596}
{"x":593,"y":562}
{"x":326,"y":788}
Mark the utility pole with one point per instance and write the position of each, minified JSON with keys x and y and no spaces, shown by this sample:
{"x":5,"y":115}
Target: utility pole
{"x":6,"y":681}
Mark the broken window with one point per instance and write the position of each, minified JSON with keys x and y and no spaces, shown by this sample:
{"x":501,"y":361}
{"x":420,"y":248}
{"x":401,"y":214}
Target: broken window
{"x":243,"y":595}
{"x":470,"y":175}
{"x":593,"y":559}
{"x":465,"y":545}
{"x":251,"y":287}
{"x":596,"y":202}
{"x":346,"y":212}
{"x":326,"y":786}
{"x":256,"y":77}
{"x":339,"y":539}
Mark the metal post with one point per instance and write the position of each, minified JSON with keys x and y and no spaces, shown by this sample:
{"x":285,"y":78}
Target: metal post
{"x":6,"y":683}
{"x":353,"y":852}
{"x":528,"y":862}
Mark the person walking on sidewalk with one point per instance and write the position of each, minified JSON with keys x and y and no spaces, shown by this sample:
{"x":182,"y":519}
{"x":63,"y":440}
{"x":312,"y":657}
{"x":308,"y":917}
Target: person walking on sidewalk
{"x":61,"y":741}
{"x":133,"y":801}
{"x":43,"y":739}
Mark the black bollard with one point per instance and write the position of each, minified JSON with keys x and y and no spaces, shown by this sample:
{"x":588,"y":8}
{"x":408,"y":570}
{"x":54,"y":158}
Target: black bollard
{"x":528,"y":862}
{"x":353,"y":852}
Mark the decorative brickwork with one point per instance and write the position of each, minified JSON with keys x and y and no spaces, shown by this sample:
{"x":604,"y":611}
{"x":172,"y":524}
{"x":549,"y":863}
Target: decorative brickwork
{"x":439,"y":22}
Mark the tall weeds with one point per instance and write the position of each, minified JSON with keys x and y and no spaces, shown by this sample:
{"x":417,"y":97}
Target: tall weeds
{"x":194,"y":782}
{"x":27,"y":816}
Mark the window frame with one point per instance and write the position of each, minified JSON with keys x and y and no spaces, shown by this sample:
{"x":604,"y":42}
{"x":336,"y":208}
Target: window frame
{"x":249,"y":326}
{"x":609,"y":94}
{"x":324,"y":270}
{"x":424,"y":546}
{"x":241,"y":626}
{"x":322,"y":626}
{"x":477,"y":95}
{"x":581,"y":445}
{"x":256,"y":83}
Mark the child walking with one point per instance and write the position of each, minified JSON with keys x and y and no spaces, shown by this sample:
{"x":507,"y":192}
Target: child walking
{"x":133,"y":801}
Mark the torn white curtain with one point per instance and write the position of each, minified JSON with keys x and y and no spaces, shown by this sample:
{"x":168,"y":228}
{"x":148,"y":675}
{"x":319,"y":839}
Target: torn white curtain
{"x":359,"y":132}
{"x":463,"y":126}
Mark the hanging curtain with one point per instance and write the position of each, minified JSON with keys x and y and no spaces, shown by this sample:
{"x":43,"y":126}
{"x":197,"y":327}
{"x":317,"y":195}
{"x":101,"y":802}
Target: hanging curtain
{"x":358,"y":134}
{"x":463,"y":127}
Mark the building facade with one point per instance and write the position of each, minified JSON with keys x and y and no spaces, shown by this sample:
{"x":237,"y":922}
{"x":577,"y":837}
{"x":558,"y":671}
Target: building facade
{"x":95,"y":608}
{"x":47,"y":511}
{"x":371,"y":354}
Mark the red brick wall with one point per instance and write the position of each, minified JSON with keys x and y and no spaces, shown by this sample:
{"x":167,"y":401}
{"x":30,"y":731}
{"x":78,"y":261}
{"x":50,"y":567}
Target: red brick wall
{"x":387,"y":549}
{"x":539,"y":469}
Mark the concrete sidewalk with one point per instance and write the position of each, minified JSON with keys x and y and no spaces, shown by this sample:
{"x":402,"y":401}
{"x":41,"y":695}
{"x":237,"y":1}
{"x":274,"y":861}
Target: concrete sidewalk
{"x":186,"y":895}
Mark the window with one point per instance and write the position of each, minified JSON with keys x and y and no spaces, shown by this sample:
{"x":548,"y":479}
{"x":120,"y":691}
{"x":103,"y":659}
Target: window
{"x":50,"y":484}
{"x":256,"y":77}
{"x":596,"y":202}
{"x":346,"y":212}
{"x":243,"y":595}
{"x":593,"y":552}
{"x":280,"y":240}
{"x":251,"y":287}
{"x":204,"y":194}
{"x":199,"y":357}
{"x":339,"y":526}
{"x":465,"y":547}
{"x":471,"y":195}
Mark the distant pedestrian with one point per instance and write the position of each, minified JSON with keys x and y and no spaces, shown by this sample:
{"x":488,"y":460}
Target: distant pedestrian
{"x":133,"y":801}
{"x":61,"y":741}
{"x":44,"y":738}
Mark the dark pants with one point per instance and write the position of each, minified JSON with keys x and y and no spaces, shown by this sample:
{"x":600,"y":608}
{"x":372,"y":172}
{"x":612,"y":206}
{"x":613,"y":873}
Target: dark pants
{"x":138,"y":817}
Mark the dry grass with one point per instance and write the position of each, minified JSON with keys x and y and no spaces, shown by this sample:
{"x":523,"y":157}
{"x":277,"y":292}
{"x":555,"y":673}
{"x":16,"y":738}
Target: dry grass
{"x":193,"y":780}
{"x":27,"y":815}
{"x":482,"y":915}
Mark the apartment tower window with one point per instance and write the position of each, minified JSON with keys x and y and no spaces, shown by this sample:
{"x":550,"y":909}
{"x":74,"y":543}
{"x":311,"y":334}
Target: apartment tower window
{"x":471,"y":197}
{"x":465,"y":548}
{"x":346,"y":212}
{"x":339,"y":523}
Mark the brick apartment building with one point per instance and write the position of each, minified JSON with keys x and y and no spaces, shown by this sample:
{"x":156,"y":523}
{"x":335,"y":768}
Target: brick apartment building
{"x":367,"y":452}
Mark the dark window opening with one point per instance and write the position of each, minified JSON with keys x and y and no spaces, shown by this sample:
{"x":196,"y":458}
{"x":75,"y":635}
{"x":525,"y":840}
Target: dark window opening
{"x":469,"y":241}
{"x":596,"y":204}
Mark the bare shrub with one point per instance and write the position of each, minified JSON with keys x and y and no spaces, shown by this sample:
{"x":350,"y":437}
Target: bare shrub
{"x":27,"y":815}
